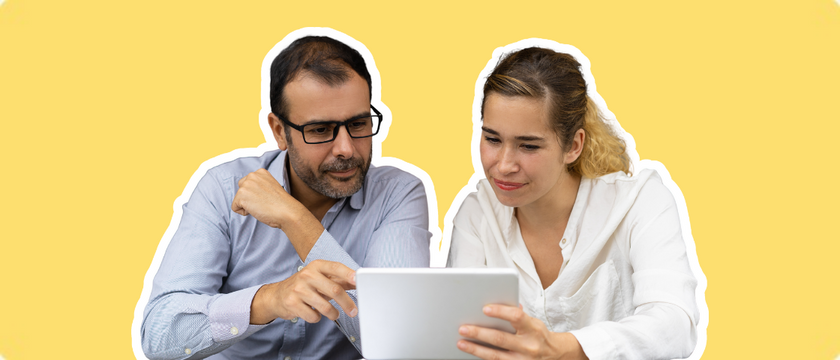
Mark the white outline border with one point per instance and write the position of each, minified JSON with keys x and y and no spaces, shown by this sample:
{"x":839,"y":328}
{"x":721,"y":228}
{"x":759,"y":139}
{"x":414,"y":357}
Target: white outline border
{"x":270,"y":144}
{"x":636,"y":164}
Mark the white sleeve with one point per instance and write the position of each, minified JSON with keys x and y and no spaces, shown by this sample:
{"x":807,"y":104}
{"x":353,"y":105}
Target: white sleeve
{"x":663,"y":324}
{"x":466,"y":249}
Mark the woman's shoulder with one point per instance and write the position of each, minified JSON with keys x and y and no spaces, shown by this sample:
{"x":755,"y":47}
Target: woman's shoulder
{"x":644,"y":182}
{"x":644,"y":193}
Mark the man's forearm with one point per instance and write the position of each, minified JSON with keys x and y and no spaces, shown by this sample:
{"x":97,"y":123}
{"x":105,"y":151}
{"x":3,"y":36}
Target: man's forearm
{"x":303,"y":230}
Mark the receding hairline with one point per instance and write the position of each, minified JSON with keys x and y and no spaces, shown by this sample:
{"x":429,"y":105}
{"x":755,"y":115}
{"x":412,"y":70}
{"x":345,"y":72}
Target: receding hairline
{"x":306,"y":73}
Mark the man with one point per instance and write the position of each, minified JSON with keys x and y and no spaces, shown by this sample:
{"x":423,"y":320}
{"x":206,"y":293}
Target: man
{"x":268,"y":245}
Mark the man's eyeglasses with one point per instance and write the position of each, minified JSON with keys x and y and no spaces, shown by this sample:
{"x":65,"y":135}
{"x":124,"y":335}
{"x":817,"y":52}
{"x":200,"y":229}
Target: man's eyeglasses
{"x":320,"y":132}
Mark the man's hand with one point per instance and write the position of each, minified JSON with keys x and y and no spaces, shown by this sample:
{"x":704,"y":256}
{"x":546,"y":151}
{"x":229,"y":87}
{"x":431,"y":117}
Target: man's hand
{"x":261,"y":196}
{"x":307,"y":294}
{"x":531,"y":341}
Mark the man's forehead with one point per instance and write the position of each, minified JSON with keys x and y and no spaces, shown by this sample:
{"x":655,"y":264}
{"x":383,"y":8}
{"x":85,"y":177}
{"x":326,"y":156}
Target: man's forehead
{"x":310,"y":97}
{"x":308,"y":77}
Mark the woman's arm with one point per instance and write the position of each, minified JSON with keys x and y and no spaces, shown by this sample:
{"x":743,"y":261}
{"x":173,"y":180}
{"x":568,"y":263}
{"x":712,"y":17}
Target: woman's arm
{"x":664,"y":318}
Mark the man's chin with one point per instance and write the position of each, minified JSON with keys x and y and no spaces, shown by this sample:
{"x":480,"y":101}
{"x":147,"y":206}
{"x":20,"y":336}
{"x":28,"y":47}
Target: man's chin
{"x":340,"y":187}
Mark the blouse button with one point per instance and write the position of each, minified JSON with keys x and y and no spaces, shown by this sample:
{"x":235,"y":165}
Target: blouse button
{"x":563,"y":241}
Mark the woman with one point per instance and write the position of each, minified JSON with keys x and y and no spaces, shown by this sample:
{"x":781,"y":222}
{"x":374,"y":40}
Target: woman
{"x":602,"y":262}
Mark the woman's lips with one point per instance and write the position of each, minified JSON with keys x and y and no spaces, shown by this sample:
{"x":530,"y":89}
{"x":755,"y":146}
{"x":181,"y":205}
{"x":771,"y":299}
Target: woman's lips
{"x":507,"y":186}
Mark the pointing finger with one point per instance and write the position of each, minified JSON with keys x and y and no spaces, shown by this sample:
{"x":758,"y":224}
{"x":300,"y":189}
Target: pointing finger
{"x":337,"y":272}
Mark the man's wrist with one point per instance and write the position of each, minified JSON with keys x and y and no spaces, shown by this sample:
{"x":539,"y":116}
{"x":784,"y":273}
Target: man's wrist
{"x":261,"y":309}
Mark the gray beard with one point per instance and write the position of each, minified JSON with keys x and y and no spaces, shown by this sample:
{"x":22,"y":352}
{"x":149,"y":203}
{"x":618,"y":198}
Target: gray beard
{"x":320,"y":183}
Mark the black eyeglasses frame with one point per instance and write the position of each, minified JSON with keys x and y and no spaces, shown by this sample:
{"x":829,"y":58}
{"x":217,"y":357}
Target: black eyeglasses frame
{"x":338,"y":125}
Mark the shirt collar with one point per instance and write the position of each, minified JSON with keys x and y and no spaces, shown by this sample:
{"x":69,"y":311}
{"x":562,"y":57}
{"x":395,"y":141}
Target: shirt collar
{"x":277,"y":168}
{"x":357,"y":200}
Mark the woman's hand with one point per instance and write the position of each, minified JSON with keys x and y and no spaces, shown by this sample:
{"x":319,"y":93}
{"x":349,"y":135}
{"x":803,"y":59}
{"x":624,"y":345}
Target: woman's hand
{"x":531,"y":341}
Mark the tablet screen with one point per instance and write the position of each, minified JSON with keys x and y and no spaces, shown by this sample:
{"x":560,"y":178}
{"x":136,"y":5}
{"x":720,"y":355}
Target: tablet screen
{"x":415,"y":313}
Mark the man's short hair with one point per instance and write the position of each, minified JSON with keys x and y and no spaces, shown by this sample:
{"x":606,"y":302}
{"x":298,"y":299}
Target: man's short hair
{"x":323,"y":57}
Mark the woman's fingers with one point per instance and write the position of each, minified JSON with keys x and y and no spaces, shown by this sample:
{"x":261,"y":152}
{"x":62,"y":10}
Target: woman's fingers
{"x":515,"y":315}
{"x":483,"y":351}
{"x":493,"y":337}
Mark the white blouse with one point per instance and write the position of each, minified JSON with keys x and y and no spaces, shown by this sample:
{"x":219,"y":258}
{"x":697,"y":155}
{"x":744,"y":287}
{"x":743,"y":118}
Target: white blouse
{"x":625,"y":290}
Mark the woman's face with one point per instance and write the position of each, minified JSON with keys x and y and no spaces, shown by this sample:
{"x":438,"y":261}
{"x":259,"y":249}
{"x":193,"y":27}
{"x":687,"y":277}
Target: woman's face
{"x":521,"y":154}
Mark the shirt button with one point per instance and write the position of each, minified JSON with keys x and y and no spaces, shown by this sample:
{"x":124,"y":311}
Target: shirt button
{"x":287,"y":358}
{"x":294,"y":320}
{"x":352,"y":338}
{"x":188,"y":351}
{"x":234,"y":330}
{"x":300,"y":268}
{"x":563,"y":241}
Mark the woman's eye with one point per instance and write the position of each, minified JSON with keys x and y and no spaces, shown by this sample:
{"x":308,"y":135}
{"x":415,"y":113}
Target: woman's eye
{"x":530,"y":147}
{"x":491,"y":139}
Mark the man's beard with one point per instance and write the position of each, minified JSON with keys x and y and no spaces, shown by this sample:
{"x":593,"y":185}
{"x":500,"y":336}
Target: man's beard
{"x":320,"y":182}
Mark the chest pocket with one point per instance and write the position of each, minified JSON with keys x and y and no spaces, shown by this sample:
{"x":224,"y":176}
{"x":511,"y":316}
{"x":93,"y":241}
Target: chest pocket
{"x":599,"y":299}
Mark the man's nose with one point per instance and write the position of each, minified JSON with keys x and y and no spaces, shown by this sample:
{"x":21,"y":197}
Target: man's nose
{"x":343,"y":144}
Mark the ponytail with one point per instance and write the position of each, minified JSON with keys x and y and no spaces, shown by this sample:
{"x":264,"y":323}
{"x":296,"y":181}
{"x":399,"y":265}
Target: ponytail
{"x":603,"y":151}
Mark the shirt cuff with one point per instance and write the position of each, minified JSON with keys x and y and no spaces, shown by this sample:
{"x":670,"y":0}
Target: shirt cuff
{"x":326,"y":248}
{"x":596,"y":343}
{"x":230,"y":315}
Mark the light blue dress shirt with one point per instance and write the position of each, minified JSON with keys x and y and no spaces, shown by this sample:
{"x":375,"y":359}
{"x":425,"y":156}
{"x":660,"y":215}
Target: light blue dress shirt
{"x":201,"y":297}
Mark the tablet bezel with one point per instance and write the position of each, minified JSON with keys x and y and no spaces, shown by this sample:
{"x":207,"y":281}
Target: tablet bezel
{"x":414,"y":313}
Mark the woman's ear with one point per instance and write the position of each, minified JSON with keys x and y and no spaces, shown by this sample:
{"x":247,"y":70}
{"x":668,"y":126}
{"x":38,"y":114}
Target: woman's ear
{"x":278,"y":129}
{"x":576,"y":147}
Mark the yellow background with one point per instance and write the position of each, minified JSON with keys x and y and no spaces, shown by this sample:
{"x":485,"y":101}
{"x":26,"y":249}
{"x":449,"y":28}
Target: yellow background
{"x":108,"y":107}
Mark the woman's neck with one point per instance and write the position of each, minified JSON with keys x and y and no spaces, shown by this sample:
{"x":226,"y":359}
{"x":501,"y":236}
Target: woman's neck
{"x":554,"y":208}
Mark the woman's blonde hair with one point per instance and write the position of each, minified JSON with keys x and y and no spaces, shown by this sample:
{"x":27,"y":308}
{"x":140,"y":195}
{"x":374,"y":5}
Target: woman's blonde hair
{"x":556,"y":77}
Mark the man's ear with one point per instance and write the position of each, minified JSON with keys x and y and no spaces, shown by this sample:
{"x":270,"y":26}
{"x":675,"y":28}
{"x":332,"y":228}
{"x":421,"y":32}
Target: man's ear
{"x":279,"y":130}
{"x":577,"y":146}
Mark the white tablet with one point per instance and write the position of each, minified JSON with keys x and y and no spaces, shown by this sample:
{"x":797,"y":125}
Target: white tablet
{"x":415,"y":313}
